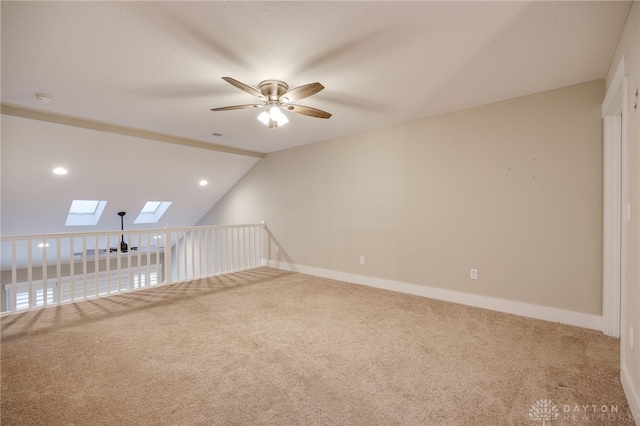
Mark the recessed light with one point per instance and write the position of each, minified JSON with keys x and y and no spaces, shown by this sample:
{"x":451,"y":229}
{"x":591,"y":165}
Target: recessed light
{"x":43,"y":245}
{"x":60,"y":171}
{"x":203,"y":182}
{"x":44,"y":97}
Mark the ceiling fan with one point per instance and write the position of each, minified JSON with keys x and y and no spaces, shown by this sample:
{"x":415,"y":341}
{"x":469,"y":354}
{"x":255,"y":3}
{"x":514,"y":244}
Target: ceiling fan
{"x":124,"y":247}
{"x":275,"y":94}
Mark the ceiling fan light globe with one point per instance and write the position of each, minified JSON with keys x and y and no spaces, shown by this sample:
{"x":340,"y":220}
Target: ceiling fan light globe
{"x":274,"y":113}
{"x":264,"y":118}
{"x":282,"y":120}
{"x":273,"y":118}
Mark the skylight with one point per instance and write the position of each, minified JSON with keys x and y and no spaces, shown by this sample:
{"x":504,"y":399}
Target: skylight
{"x":84,"y":206}
{"x":85,"y":212}
{"x":152,"y":211}
{"x":151,"y":207}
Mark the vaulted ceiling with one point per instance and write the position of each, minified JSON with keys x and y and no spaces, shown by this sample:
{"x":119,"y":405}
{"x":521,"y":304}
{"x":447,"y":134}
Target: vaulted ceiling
{"x":141,"y":78}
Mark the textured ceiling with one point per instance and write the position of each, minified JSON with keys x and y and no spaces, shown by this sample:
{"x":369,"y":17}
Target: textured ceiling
{"x":158,"y":67}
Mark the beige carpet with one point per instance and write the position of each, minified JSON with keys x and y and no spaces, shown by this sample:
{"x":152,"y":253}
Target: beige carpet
{"x":271,"y":347}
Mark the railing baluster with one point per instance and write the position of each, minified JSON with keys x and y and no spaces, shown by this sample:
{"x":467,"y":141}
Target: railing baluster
{"x":96,"y":264}
{"x":249,"y":252}
{"x":236,"y":251}
{"x":138,"y":261}
{"x":247,"y":247}
{"x":178,"y":257}
{"x":232,"y":249}
{"x":30,"y":274}
{"x":217,"y":260}
{"x":185,"y":241}
{"x":258,"y":247}
{"x":58,"y":294}
{"x":44,"y":274}
{"x":118,"y":265}
{"x":241,"y":248}
{"x":227,"y":250}
{"x":218,"y":268}
{"x":107,"y":264}
{"x":252,"y":248}
{"x":14,"y":276}
{"x":202,"y":252}
{"x":207,"y":252}
{"x":193,"y":255}
{"x":168,"y":262}
{"x":148,"y":260}
{"x":72,"y":271}
{"x":84,"y":268}
{"x":263,"y":240}
{"x":129,"y":279}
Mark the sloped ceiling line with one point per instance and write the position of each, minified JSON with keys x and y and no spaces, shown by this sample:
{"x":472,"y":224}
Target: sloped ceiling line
{"x":121,"y":130}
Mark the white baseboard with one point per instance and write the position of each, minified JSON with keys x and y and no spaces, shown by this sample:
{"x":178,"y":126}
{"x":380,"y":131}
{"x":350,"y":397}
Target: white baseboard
{"x":633,"y":397}
{"x":545,"y":313}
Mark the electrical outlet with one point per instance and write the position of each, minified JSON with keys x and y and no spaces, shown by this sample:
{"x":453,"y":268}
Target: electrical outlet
{"x":473,"y":274}
{"x":631,"y":338}
{"x":362,"y":260}
{"x":277,"y":249}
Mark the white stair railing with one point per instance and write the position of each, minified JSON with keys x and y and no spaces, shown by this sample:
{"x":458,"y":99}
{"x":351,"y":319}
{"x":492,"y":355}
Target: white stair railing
{"x":45,"y":270}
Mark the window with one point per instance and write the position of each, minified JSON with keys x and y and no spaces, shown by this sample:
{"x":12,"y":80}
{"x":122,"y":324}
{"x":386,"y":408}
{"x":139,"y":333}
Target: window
{"x":151,"y":207}
{"x":84,"y":206}
{"x":85,"y":212}
{"x":152,"y":211}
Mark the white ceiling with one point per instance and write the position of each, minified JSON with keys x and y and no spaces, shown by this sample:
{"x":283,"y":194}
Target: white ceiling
{"x":157,"y":66}
{"x":124,"y":171}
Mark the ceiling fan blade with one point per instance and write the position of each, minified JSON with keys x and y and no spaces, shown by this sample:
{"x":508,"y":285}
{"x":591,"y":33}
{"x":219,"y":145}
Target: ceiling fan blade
{"x":301,"y":92}
{"x":311,"y":112}
{"x":229,"y":108}
{"x":250,"y":90}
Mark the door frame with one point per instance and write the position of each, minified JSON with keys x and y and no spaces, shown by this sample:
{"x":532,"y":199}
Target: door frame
{"x":615,"y":110}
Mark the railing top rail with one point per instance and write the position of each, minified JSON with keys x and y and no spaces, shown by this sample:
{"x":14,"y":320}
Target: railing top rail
{"x":79,"y":234}
{"x":118,"y":232}
{"x":244,"y":225}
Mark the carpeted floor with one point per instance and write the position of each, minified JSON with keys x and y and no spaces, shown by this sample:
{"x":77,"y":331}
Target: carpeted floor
{"x":277,"y":348}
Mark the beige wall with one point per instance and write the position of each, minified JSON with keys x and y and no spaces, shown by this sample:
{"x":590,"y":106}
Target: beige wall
{"x":630,"y":47}
{"x":513,"y":189}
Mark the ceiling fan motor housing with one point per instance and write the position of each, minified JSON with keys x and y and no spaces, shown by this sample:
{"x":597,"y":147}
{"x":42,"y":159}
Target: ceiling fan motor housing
{"x":273,"y":89}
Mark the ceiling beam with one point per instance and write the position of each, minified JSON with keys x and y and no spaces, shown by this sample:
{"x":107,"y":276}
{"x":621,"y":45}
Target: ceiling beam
{"x":121,"y":130}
